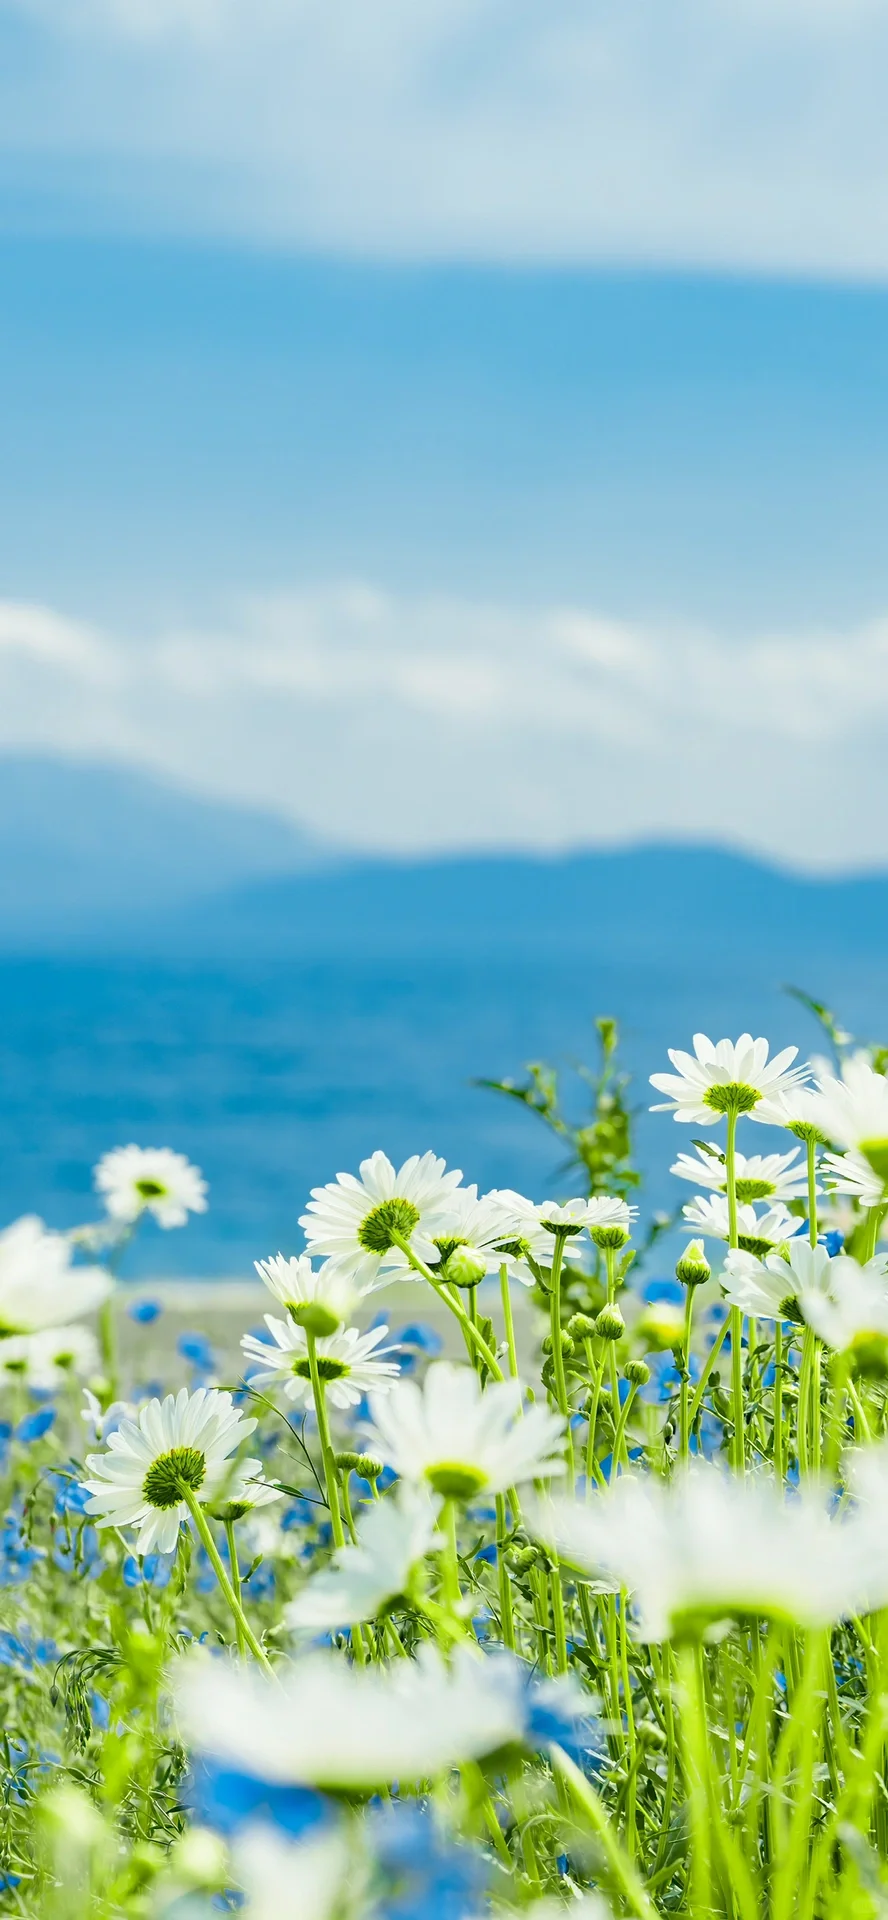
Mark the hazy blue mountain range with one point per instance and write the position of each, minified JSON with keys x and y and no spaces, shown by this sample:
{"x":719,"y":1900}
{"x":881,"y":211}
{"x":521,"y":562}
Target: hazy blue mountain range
{"x":167,"y":975}
{"x":87,"y":848}
{"x":105,"y":860}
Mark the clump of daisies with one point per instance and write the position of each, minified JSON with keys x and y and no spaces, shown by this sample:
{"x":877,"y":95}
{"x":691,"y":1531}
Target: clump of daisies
{"x":561,"y":1590}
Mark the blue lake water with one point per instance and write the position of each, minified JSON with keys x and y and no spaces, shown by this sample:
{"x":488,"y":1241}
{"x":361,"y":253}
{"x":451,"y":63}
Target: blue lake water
{"x":275,"y":1076}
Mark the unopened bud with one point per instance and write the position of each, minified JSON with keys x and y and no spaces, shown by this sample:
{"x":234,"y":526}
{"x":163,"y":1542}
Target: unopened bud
{"x":567,"y":1345}
{"x":580,"y":1326}
{"x":464,"y":1267}
{"x":651,"y":1736}
{"x":609,"y":1324}
{"x":609,"y":1238}
{"x":314,"y":1317}
{"x":521,"y":1559}
{"x":637,"y":1372}
{"x":693,"y":1269}
{"x":362,"y":1463}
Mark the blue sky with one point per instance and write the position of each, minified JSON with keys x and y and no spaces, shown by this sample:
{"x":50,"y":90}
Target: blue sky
{"x":463,"y":426}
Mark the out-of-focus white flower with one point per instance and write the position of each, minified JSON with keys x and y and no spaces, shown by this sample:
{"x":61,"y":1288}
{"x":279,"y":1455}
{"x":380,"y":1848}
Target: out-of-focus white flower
{"x":300,"y":1288}
{"x":182,"y":1441}
{"x":101,"y":1422}
{"x":287,"y":1879}
{"x":349,"y":1362}
{"x":46,"y":1360}
{"x":462,"y":1441}
{"x":394,"y":1535}
{"x":757,"y":1233}
{"x":39,"y":1285}
{"x":575,"y":1216}
{"x":771,"y":1289}
{"x":353,"y":1221}
{"x":853,"y":1113}
{"x":323,"y":1723}
{"x":851,"y":1312}
{"x":707,"y":1547}
{"x":732,"y":1076}
{"x":135,"y":1180}
{"x":758,"y":1176}
{"x":852,"y":1174}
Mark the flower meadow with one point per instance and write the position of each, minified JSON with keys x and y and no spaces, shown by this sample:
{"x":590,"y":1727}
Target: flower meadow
{"x":582,"y":1609}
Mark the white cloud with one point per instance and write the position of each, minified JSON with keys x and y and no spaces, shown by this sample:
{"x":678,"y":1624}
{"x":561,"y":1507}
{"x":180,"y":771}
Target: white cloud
{"x":742,"y":132}
{"x":406,"y":725}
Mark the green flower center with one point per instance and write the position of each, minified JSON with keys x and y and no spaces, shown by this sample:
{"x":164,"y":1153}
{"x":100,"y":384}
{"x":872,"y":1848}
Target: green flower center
{"x":328,"y":1369}
{"x":170,"y":1472}
{"x":516,"y":1249}
{"x":731,"y":1096}
{"x":150,"y":1189}
{"x":754,"y":1189}
{"x":454,"y":1480}
{"x":377,"y":1230}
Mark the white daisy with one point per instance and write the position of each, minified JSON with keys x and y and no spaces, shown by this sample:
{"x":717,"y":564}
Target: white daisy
{"x":757,"y":1233}
{"x":181,"y":1441}
{"x":243,"y":1492}
{"x":853,"y":1112}
{"x":39,"y":1285}
{"x":706,"y":1547}
{"x":321,"y":1722}
{"x":732,"y":1076}
{"x":463,"y":1441}
{"x":352,"y":1221}
{"x":46,"y":1360}
{"x":757,"y":1176}
{"x":771,"y":1288}
{"x":851,"y":1312}
{"x":360,"y":1581}
{"x":851,"y":1173}
{"x":319,"y":1299}
{"x":136,"y":1180}
{"x":286,"y":1879}
{"x":349,"y":1362}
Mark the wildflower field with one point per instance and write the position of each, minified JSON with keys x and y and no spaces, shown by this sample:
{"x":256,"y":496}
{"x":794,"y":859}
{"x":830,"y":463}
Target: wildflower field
{"x":364,"y":1633}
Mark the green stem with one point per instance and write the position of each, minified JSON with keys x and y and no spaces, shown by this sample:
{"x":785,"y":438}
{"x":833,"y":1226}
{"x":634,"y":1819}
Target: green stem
{"x":684,"y":1442}
{"x":455,"y":1306}
{"x":619,"y":1436}
{"x":708,"y":1365}
{"x":331,"y":1476}
{"x":811,"y":1146}
{"x":803,"y":1429}
{"x":739,"y":1445}
{"x":621,"y":1868}
{"x":451,"y":1591}
{"x":108,"y":1347}
{"x":202,"y":1527}
{"x":557,"y":1353}
{"x":696,"y":1767}
{"x":807,"y":1709}
{"x":558,"y":1620}
{"x":505,"y":1585}
{"x":596,"y":1372}
{"x":835,"y":1429}
{"x":508,"y":1322}
{"x":235,"y":1579}
{"x":779,"y":1466}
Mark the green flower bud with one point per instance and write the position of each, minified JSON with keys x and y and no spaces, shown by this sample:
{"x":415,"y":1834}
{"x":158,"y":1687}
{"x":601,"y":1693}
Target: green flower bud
{"x":651,"y":1736}
{"x":362,"y":1463}
{"x":580,"y":1326}
{"x":609,"y":1324}
{"x":693,"y":1269}
{"x":637,"y":1372}
{"x":314,"y":1317}
{"x":464,"y":1267}
{"x":521,"y":1559}
{"x":610,"y":1238}
{"x":567,"y":1345}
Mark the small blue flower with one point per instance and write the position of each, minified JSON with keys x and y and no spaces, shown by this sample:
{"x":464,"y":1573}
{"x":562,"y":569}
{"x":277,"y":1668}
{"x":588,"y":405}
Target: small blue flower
{"x":224,"y":1798}
{"x":144,"y":1311}
{"x":35,"y":1425}
{"x":195,"y":1347}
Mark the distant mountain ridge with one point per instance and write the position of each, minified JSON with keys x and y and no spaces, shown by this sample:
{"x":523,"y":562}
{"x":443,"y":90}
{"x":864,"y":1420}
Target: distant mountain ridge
{"x":101,"y":860}
{"x":85,"y":849}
